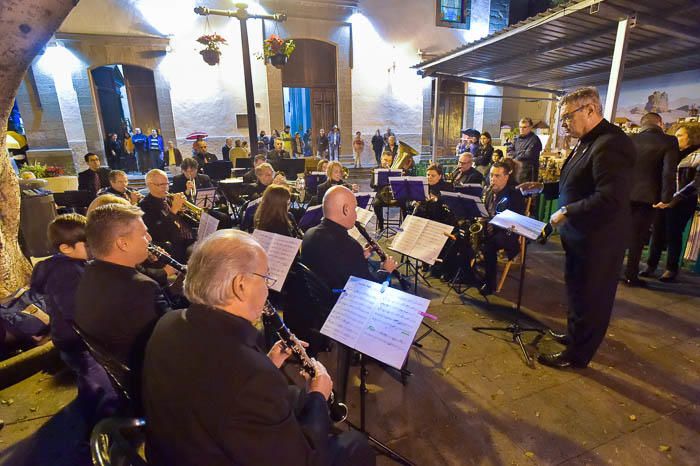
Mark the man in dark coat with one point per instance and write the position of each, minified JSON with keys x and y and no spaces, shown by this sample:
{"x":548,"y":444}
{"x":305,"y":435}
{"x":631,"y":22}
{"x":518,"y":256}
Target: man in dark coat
{"x":95,"y":177}
{"x":274,"y":156}
{"x":653,"y":181}
{"x":189,"y":181}
{"x":202,"y":155}
{"x":213,"y":396}
{"x":526,"y":150}
{"x":465,"y":173}
{"x":594,"y":191}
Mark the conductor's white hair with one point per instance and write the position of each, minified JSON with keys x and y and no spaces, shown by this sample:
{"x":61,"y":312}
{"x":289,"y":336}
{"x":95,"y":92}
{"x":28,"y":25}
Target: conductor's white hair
{"x":215,"y":262}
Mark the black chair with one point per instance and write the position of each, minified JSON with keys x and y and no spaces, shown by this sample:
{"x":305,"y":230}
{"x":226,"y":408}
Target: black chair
{"x":77,"y":201}
{"x":116,"y":441}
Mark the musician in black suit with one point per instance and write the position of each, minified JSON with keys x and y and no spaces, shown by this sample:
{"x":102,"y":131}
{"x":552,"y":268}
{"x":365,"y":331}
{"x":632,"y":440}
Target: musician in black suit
{"x":213,"y":396}
{"x":95,"y":177}
{"x":500,"y":195}
{"x":189,"y":181}
{"x":465,"y":173}
{"x":116,"y":306}
{"x":202,"y":155}
{"x":162,"y":216}
{"x":277,"y":154}
{"x":433,"y":208}
{"x":653,"y":181}
{"x":118,"y":185}
{"x":594,"y":192}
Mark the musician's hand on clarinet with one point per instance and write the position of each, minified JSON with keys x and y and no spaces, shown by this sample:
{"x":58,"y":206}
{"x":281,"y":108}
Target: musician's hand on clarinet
{"x":177,"y":202}
{"x":367,"y":251}
{"x":321,"y":382}
{"x":389,"y":264}
{"x":279,"y":353}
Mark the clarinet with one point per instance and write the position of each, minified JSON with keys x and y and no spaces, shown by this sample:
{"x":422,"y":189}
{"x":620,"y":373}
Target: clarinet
{"x":380,"y":252}
{"x":161,"y":254}
{"x":338,"y":410}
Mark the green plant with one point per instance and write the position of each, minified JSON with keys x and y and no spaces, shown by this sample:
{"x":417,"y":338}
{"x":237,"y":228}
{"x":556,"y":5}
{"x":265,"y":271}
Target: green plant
{"x":37,"y":168}
{"x":212,"y":41}
{"x":275,"y":45}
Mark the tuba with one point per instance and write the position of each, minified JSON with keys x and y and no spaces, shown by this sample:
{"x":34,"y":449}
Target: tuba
{"x":406,"y":152}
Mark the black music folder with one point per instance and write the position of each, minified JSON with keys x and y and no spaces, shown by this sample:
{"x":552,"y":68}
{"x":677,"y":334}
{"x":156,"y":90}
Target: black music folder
{"x":472,"y":189}
{"x":382,"y":175}
{"x":464,"y":205}
{"x":409,"y":188}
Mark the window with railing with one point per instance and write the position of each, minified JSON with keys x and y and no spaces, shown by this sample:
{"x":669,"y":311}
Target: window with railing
{"x":453,"y":13}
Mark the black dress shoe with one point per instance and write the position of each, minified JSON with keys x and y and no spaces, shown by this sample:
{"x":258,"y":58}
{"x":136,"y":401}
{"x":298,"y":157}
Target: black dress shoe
{"x":668,"y":276}
{"x":634,"y":282}
{"x":647,"y":272}
{"x":561,"y":338}
{"x":558,"y":361}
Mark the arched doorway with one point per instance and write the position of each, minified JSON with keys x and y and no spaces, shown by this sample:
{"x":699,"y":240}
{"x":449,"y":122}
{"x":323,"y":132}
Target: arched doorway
{"x":310,"y":89}
{"x":126,"y":98}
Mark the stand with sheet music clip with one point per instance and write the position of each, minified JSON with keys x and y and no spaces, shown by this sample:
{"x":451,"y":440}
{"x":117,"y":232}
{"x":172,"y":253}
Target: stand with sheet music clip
{"x":380,"y":323}
{"x":531,"y":230}
{"x":463,"y":206}
{"x":381,"y":181}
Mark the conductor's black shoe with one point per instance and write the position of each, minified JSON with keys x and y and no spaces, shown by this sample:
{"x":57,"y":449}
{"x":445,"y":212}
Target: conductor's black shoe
{"x":668,"y":276}
{"x":647,"y":272}
{"x":634,"y":282}
{"x":561,"y":338}
{"x":558,"y":361}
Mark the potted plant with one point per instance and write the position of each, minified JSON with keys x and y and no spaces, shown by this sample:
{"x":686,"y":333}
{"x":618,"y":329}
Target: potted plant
{"x":276,"y":50}
{"x":212,"y":53}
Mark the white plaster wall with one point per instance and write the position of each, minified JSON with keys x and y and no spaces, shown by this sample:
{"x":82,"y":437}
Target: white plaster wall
{"x":387,"y":34}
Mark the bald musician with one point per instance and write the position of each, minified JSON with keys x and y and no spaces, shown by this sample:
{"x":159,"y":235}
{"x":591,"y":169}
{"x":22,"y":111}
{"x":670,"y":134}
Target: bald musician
{"x":213,"y":396}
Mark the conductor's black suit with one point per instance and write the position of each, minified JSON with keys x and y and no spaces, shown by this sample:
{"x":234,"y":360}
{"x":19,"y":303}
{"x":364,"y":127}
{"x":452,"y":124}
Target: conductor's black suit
{"x":595,"y":187}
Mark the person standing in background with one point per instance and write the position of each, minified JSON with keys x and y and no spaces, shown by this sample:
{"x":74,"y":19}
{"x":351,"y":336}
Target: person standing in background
{"x":140,"y":142}
{"x":322,"y":144}
{"x":173,"y":157}
{"x":334,"y":143}
{"x":358,"y":145}
{"x":287,"y":139}
{"x":226,"y":148}
{"x":378,"y":147}
{"x":155,"y":149}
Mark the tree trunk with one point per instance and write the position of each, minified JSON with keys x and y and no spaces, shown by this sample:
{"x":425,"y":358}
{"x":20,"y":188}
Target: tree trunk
{"x":27,"y":25}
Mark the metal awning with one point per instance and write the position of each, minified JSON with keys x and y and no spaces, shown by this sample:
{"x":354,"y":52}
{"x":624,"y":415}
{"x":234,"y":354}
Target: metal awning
{"x":572,"y":45}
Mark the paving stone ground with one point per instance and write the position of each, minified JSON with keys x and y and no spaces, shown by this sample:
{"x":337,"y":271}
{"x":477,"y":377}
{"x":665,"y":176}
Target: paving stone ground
{"x":476,"y":402}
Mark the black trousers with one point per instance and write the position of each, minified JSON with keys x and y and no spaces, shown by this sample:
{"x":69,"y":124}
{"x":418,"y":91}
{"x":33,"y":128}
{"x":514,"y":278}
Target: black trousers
{"x":500,"y":239}
{"x":641,"y":218}
{"x":669,"y":225}
{"x":591,"y":275}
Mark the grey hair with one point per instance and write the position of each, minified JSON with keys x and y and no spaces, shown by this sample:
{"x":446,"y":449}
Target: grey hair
{"x":215,"y":262}
{"x":527,"y":120}
{"x":154,"y":172}
{"x":583,"y":96}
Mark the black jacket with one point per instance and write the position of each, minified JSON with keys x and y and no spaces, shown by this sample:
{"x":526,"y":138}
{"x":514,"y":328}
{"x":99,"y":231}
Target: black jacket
{"x":204,"y":159}
{"x":326,"y":185}
{"x":180,"y":183}
{"x":165,"y":227}
{"x":377,"y":143}
{"x":654,"y":175}
{"x":688,"y":179}
{"x":212,"y":396}
{"x":471,"y":176}
{"x":117,"y":307}
{"x":274,"y":158}
{"x":86,"y":180}
{"x":509,"y":198}
{"x":526,"y":149}
{"x":57,"y":278}
{"x":111,"y":190}
{"x":484,"y":155}
{"x":332,"y":254}
{"x":595,"y":187}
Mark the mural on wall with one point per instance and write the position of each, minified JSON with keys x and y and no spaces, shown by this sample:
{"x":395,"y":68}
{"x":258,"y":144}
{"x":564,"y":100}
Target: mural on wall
{"x":673,"y":96}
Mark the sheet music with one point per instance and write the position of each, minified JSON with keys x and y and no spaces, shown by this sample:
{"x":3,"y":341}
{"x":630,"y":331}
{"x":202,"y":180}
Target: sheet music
{"x":281,"y":251}
{"x":363,"y":216}
{"x":522,"y":225}
{"x":422,"y":179}
{"x":207,"y":226}
{"x":421,"y":238}
{"x":477,"y":200}
{"x":390,"y":172}
{"x":380,"y":325}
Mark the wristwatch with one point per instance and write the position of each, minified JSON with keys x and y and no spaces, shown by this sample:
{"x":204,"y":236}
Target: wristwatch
{"x":563,"y":210}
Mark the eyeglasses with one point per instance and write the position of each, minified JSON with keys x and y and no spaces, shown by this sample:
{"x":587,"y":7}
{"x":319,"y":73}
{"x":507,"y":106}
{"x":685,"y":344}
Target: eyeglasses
{"x":570,"y":116}
{"x":269,"y":281}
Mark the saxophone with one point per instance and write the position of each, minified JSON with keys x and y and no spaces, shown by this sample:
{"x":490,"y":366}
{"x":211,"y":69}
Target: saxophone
{"x":338,"y":410}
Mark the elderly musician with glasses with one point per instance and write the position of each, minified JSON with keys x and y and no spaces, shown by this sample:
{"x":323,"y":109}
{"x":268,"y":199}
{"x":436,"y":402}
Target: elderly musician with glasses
{"x":594,"y":193}
{"x":213,"y":396}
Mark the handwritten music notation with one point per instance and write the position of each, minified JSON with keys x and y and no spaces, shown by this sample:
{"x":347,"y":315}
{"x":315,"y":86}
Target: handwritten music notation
{"x":281,"y":251}
{"x":379,"y":324}
{"x":421,"y":238}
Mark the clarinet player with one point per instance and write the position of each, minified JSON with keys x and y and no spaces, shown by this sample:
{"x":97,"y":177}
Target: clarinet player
{"x":245,"y":413}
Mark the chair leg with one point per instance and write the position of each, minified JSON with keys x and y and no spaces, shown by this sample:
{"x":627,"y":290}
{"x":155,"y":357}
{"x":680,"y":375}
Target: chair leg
{"x":504,"y":275}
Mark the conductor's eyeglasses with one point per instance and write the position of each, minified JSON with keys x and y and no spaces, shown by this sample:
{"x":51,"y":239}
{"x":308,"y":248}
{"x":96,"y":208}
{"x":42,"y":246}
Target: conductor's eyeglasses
{"x":570,"y":116}
{"x":269,"y":281}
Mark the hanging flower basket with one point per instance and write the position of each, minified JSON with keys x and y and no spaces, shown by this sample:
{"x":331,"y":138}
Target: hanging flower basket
{"x":276,"y":51}
{"x":212,"y":53}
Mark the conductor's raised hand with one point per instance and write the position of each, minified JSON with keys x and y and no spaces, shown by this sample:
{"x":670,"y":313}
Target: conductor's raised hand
{"x":321,"y":382}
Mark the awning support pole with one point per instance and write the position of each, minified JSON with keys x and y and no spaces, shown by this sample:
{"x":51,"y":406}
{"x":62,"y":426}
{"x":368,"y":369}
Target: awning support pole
{"x":617,"y":68}
{"x":436,"y":106}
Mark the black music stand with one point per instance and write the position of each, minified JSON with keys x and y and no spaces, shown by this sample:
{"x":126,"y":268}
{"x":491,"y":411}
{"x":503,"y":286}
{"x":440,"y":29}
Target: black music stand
{"x":381,"y":180}
{"x":514,"y":327}
{"x":218,"y":169}
{"x":243,"y":163}
{"x":472,"y":189}
{"x":291,"y":167}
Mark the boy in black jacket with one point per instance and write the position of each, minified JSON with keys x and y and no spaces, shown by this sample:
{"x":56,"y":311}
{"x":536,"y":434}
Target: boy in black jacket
{"x":57,"y":279}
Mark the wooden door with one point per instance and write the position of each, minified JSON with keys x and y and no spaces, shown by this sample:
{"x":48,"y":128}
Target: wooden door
{"x":450,"y":111}
{"x":324,"y":113}
{"x":141,"y":90}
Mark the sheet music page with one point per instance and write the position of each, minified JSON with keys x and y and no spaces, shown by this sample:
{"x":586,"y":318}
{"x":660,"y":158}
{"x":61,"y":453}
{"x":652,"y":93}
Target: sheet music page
{"x":207,"y":226}
{"x":281,"y":251}
{"x":363,"y":216}
{"x":380,"y":325}
{"x":522,"y":225}
{"x":421,"y":238}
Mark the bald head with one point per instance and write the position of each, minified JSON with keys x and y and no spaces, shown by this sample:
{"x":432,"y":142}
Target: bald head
{"x":339,"y":205}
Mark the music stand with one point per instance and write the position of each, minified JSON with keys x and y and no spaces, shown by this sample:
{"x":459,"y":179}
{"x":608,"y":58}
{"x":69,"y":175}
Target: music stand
{"x":204,"y":198}
{"x":291,"y":167}
{"x":381,"y":180}
{"x":243,"y":163}
{"x":311,"y":217}
{"x":514,"y":327}
{"x":472,"y":189}
{"x":218,"y":170}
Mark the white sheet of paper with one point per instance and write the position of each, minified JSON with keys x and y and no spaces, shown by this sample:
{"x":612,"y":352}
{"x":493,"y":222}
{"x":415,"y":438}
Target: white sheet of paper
{"x":281,"y":251}
{"x":363,"y":216}
{"x":380,"y":325}
{"x":207,"y":226}
{"x":421,"y":238}
{"x":522,"y":225}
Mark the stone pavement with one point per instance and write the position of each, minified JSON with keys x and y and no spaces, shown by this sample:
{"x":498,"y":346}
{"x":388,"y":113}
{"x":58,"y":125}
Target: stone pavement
{"x":476,"y":402}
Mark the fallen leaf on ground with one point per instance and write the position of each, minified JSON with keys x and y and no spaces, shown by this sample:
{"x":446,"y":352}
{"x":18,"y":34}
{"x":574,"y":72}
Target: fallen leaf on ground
{"x":529,"y":454}
{"x":633,"y":417}
{"x":664,"y":448}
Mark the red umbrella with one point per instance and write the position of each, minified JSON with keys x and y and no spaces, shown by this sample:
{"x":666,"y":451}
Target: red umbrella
{"x":196,"y":135}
